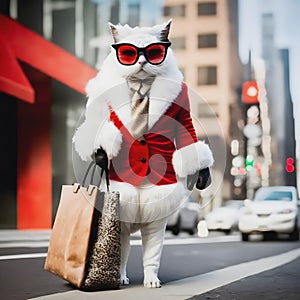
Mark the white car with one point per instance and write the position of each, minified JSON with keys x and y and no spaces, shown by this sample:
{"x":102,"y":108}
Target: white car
{"x":185,"y":219}
{"x":224,"y":218}
{"x":273,"y":210}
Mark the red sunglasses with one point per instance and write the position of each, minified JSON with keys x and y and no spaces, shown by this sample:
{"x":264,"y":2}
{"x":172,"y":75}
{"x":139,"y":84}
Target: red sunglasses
{"x":129,"y":54}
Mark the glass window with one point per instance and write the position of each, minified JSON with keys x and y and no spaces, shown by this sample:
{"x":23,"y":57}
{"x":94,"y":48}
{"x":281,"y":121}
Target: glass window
{"x":207,"y":9}
{"x":115,"y":12}
{"x":208,"y":110}
{"x":133,"y":15}
{"x":207,"y":40}
{"x":174,"y":11}
{"x":274,"y":195}
{"x":178,"y":43}
{"x":207,"y":75}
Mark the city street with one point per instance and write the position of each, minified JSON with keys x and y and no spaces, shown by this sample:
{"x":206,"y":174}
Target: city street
{"x":219,"y":266}
{"x":189,"y":105}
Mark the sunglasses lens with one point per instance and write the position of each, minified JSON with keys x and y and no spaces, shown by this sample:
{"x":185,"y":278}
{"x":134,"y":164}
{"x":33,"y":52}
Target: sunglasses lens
{"x":156,"y":53}
{"x":127,"y":54}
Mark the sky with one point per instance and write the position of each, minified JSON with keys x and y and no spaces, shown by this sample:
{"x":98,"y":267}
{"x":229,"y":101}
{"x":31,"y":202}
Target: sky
{"x":287,"y":35}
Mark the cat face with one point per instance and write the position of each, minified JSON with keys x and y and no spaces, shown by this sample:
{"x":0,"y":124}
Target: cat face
{"x":142,"y":37}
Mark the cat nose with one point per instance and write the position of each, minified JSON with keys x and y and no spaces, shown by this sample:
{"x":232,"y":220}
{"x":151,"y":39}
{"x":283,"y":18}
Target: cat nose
{"x":142,"y":60}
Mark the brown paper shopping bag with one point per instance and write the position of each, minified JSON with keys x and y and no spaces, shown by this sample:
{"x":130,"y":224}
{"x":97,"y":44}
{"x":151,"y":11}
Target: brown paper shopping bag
{"x":84,"y":246}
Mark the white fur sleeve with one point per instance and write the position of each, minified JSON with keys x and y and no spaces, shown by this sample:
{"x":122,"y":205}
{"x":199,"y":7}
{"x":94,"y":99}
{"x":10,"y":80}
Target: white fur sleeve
{"x":192,"y":158}
{"x":89,"y":137}
{"x":97,"y":131}
{"x":109,"y":138}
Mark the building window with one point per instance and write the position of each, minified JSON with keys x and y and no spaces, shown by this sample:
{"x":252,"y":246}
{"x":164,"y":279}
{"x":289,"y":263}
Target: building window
{"x":178,"y":43}
{"x":207,"y":40}
{"x":174,"y":11}
{"x":207,"y":9}
{"x":208,"y":110}
{"x":207,"y":75}
{"x":115,"y":12}
{"x":133,"y":15}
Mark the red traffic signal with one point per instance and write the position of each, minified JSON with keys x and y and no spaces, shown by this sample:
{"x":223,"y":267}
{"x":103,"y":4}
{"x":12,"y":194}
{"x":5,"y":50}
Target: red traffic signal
{"x":250,"y":92}
{"x":289,"y":167}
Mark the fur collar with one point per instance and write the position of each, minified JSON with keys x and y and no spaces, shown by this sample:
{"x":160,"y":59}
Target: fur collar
{"x":109,"y":88}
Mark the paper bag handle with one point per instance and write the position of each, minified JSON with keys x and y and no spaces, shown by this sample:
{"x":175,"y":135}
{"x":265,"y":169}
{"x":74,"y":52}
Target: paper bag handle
{"x":92,"y":163}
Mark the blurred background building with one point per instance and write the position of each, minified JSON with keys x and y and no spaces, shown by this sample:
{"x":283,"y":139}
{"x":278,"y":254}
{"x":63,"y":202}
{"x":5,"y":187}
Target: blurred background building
{"x":270,"y":129}
{"x":280,"y":106}
{"x":204,"y":35}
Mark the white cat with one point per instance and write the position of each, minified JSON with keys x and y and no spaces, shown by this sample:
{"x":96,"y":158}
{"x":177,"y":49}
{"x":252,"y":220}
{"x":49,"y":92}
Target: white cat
{"x":149,"y":170}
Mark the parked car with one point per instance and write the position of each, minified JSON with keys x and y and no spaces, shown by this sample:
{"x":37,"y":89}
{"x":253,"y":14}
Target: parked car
{"x":224,"y":218}
{"x":185,"y":219}
{"x":273,"y":210}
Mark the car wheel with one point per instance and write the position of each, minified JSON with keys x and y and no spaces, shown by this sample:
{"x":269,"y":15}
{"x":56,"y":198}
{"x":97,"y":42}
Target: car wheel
{"x":294,"y":236}
{"x":245,"y":237}
{"x":193,"y":230}
{"x":176,"y":228}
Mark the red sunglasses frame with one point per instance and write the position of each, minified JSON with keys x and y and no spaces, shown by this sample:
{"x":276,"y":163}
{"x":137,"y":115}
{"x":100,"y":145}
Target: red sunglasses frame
{"x":140,"y":51}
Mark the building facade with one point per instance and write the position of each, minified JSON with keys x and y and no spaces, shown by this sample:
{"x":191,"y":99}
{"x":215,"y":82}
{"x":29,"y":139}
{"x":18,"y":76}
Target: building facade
{"x":38,"y":134}
{"x":283,"y":144}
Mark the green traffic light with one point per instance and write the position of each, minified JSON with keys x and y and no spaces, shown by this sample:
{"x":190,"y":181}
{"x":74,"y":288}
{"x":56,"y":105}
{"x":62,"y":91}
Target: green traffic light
{"x":249,"y":162}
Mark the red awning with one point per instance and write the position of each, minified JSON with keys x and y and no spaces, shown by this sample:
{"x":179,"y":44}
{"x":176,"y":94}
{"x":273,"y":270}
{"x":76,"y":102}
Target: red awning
{"x":19,"y":43}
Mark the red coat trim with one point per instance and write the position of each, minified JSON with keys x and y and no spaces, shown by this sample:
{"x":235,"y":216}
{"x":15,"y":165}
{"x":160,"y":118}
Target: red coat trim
{"x":153,"y":157}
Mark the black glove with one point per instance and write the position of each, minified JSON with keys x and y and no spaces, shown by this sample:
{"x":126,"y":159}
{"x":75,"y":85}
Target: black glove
{"x":202,"y":179}
{"x":101,"y":159}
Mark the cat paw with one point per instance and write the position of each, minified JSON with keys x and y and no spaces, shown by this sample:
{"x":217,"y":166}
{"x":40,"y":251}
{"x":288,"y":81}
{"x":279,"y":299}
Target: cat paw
{"x":152,"y":281}
{"x":124,"y":280}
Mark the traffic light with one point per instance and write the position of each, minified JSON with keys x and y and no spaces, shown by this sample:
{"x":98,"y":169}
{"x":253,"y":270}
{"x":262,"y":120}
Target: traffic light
{"x":289,"y":166}
{"x":249,"y":162}
{"x":250,"y":92}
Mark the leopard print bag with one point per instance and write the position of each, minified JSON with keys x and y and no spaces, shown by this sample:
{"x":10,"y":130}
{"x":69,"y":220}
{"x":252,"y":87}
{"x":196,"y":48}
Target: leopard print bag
{"x":103,"y":265}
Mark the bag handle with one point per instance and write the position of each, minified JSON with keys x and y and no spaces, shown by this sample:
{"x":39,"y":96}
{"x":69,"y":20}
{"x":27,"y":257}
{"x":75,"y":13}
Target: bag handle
{"x":94,"y":165}
{"x":87,"y":172}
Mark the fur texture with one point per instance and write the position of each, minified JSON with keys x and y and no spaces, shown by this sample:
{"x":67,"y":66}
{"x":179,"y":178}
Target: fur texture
{"x":190,"y":159}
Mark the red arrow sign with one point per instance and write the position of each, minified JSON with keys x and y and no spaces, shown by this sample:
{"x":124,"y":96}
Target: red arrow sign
{"x":18,"y":42}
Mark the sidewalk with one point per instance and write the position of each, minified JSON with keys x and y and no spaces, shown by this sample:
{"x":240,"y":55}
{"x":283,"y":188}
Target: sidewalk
{"x":261,"y":286}
{"x":14,"y":235}
{"x":24,"y":238}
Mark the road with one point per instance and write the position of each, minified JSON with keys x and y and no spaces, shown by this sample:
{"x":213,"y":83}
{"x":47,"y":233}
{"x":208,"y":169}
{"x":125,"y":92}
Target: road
{"x":219,"y":266}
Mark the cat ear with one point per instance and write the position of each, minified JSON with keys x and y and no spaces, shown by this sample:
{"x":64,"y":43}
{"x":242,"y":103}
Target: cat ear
{"x":164,"y":35}
{"x":114,"y":32}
